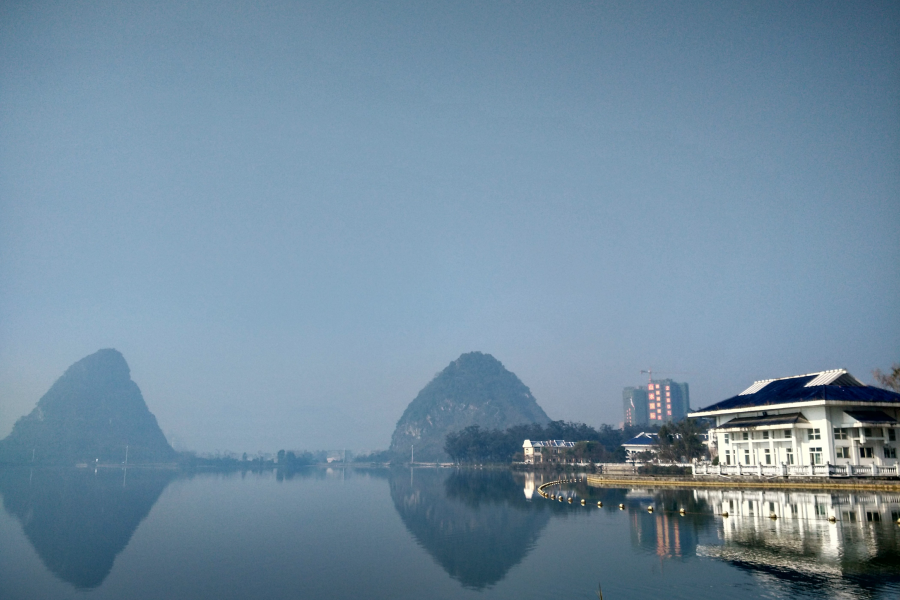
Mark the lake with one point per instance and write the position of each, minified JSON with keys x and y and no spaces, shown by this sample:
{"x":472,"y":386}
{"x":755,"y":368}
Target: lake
{"x":430,"y":533}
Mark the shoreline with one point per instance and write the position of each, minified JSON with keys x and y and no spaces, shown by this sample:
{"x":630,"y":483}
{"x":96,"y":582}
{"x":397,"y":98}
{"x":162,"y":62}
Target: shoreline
{"x":594,"y":480}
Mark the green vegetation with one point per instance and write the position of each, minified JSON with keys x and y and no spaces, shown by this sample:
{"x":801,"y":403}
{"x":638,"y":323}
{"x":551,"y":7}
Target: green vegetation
{"x":890,"y":381}
{"x":476,"y":445}
{"x":290,"y":460}
{"x":475,"y":389}
{"x":680,"y":441}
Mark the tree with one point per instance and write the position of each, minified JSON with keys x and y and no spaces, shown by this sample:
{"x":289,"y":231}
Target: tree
{"x":892,"y":381}
{"x":678,"y":441}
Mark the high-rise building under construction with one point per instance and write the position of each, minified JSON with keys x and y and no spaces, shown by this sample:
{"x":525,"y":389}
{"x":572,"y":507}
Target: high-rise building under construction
{"x":658,"y":402}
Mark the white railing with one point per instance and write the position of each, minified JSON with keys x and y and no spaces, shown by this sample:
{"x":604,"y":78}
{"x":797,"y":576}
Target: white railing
{"x":783,"y":470}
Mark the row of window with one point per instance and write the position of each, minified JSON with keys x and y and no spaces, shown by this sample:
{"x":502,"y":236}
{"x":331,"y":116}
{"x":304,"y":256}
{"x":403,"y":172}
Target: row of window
{"x":842,"y":433}
{"x":765,"y":435}
{"x":821,"y":511}
{"x":846,"y":433}
{"x":815,"y":454}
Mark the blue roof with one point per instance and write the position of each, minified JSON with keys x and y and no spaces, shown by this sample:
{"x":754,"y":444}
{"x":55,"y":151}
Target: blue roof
{"x":642,"y":439}
{"x":797,"y":389}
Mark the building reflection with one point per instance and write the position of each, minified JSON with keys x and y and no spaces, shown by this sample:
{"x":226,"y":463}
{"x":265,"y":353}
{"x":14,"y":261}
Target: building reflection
{"x":79,"y":520}
{"x":665,"y":532}
{"x":845,"y":542}
{"x":799,"y":542}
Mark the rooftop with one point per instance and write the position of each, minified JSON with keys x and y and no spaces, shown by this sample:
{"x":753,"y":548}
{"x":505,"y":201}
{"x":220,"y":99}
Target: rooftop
{"x":642,"y":439}
{"x":836,"y":384}
{"x":549,"y":444}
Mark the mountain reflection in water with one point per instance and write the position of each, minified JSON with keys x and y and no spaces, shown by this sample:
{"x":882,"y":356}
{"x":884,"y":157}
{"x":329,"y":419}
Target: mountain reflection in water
{"x":462,"y":533}
{"x":79,"y":520}
{"x":476,"y":524}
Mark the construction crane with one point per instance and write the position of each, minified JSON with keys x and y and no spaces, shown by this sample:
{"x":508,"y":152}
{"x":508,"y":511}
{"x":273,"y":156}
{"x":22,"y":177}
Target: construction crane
{"x":649,"y":373}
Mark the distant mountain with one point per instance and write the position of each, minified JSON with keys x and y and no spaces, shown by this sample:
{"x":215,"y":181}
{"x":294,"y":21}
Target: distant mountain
{"x":92,"y":412}
{"x":475,"y":389}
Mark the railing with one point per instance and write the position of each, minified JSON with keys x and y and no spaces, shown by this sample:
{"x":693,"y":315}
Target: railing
{"x":783,"y":470}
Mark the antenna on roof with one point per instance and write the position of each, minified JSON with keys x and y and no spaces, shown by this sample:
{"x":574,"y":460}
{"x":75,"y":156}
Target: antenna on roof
{"x":649,"y":373}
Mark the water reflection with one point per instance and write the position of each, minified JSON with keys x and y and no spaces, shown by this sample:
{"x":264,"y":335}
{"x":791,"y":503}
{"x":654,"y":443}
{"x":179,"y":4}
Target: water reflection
{"x":79,"y":520}
{"x":846,"y":544}
{"x":476,"y":524}
{"x":798,"y":543}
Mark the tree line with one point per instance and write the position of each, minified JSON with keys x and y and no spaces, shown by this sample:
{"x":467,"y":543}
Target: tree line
{"x":476,"y":445}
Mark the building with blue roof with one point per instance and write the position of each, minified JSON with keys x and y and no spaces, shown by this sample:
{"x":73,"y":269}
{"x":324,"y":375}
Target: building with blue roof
{"x":818,"y":424}
{"x":642,"y":442}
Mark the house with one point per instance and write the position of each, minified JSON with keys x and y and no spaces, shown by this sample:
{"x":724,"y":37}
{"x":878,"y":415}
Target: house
{"x":819,"y":424}
{"x":545,"y":451}
{"x":642,"y":442}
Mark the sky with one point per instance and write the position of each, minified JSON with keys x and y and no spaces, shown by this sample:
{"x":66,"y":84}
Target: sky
{"x":290,"y":216}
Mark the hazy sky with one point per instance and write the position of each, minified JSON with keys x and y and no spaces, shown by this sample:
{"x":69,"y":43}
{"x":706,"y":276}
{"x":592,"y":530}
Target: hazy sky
{"x":288,"y":217}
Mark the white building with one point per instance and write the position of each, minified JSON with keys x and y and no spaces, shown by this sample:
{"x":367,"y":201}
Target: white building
{"x":819,"y":424}
{"x":545,"y":451}
{"x":642,"y":442}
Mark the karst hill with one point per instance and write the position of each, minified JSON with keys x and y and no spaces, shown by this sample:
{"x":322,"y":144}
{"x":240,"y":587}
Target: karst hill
{"x":92,"y":412}
{"x":475,"y":389}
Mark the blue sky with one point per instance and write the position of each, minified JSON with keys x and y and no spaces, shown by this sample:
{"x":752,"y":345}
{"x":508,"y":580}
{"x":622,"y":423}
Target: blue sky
{"x":290,"y":216}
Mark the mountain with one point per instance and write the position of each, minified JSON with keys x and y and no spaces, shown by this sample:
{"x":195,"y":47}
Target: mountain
{"x":475,"y":389}
{"x":92,"y":412}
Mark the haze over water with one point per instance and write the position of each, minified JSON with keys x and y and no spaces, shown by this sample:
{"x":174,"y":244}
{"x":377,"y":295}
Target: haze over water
{"x":289,"y":216}
{"x":429,"y":533}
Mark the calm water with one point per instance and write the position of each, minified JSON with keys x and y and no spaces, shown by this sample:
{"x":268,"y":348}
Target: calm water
{"x":429,"y":534}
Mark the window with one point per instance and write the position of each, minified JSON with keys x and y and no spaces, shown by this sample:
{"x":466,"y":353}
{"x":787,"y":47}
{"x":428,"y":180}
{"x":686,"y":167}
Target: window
{"x":727,"y":439}
{"x":745,"y":436}
{"x":849,"y":516}
{"x":892,"y":435}
{"x":821,"y":510}
{"x":787,"y":433}
{"x":841,"y":434}
{"x":867,"y":431}
{"x":815,"y":456}
{"x":768,"y":456}
{"x":890,"y":452}
{"x":746,"y":457}
{"x":728,"y":457}
{"x":873,"y":517}
{"x":789,"y":452}
{"x":765,"y":435}
{"x":865,"y":452}
{"x":814,"y":434}
{"x":842,"y":452}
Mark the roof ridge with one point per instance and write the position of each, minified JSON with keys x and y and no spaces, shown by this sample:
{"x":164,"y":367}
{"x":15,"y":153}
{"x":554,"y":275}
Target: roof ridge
{"x":829,"y":374}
